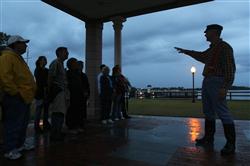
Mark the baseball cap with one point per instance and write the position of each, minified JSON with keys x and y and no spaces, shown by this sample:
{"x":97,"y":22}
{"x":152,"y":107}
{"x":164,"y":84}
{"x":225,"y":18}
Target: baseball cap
{"x":16,"y":38}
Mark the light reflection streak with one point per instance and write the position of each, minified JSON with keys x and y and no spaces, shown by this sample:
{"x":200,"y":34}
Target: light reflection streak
{"x":194,"y":126}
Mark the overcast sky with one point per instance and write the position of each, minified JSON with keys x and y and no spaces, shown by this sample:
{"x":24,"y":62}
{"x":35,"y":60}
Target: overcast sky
{"x":147,"y":51}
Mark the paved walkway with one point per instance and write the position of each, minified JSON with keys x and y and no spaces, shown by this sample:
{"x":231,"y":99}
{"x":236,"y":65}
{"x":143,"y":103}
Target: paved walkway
{"x":140,"y":141}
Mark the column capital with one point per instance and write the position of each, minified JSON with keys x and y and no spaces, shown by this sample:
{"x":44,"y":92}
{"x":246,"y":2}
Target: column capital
{"x":94,"y":24}
{"x":117,"y":22}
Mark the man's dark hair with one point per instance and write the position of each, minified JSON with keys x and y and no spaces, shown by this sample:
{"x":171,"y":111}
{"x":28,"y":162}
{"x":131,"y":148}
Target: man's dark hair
{"x":60,"y":49}
{"x":81,"y":62}
{"x":102,"y":66}
{"x":69,"y":62}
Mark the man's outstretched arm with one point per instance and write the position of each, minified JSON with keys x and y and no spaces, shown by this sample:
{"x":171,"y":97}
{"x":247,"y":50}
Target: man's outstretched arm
{"x":199,"y":56}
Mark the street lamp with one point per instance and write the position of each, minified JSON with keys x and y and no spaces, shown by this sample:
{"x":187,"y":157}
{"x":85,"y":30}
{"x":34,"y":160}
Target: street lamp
{"x":193,"y":70}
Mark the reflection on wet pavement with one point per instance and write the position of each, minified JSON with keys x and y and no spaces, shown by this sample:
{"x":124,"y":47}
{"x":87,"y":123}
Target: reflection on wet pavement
{"x":195,"y":128}
{"x":140,"y":141}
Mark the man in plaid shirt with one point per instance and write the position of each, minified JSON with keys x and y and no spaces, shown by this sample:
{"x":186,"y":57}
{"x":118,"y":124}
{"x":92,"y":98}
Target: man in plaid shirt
{"x":219,"y":71}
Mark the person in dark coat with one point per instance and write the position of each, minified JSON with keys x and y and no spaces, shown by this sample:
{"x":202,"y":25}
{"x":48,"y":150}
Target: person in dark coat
{"x":41,"y":96}
{"x":74,"y":113}
{"x":106,"y":92}
{"x":86,"y":92}
{"x":119,"y":91}
{"x":125,"y":93}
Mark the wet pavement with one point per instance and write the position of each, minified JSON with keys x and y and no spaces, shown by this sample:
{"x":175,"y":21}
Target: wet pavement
{"x":139,"y":141}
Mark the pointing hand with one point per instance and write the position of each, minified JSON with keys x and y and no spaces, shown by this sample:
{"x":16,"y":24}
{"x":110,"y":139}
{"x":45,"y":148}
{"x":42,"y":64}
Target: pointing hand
{"x":180,"y":50}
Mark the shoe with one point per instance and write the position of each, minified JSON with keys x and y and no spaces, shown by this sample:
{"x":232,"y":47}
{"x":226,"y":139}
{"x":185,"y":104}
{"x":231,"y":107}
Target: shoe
{"x":13,"y":155}
{"x":110,"y":121}
{"x":229,"y":148}
{"x":26,"y":146}
{"x":204,"y":142}
{"x":208,"y":138}
{"x":127,"y":117}
{"x":104,"y":121}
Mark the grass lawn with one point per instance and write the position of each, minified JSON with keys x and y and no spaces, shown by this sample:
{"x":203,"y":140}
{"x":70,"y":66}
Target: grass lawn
{"x":182,"y":108}
{"x":179,"y":108}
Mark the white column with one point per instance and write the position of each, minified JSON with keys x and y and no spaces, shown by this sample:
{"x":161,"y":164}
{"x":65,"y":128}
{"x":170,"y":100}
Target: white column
{"x":93,"y":61}
{"x":117,"y":25}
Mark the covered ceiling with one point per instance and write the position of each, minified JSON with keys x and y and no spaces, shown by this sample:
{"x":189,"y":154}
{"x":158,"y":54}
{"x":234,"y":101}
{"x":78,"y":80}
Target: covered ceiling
{"x":104,"y":10}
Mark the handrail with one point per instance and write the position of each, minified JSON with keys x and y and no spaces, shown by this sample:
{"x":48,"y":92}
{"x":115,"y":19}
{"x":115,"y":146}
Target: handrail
{"x":189,"y":94}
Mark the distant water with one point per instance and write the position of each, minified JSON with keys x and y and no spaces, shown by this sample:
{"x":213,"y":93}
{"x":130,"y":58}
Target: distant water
{"x":235,"y":94}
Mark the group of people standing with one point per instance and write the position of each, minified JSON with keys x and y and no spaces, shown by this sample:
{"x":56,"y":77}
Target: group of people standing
{"x":62,"y":93}
{"x":66,"y":92}
{"x":113,"y":91}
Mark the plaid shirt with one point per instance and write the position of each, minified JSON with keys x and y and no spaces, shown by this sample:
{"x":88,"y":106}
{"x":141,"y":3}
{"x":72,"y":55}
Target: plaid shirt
{"x":219,"y":61}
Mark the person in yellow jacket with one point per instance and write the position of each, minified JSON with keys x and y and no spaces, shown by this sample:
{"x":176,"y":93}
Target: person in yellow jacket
{"x":18,"y":86}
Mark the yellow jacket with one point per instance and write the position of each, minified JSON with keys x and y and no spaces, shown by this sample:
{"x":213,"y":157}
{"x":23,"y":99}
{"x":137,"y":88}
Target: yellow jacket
{"x":15,"y":76}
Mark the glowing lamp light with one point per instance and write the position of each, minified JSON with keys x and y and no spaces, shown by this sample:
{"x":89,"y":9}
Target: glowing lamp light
{"x":193,"y":69}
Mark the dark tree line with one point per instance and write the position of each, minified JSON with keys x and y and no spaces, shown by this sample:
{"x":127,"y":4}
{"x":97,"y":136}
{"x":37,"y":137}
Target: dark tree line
{"x":3,"y":38}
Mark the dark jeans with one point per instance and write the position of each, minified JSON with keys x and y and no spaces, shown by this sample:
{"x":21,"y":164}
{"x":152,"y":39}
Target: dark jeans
{"x":16,"y":119}
{"x":106,"y":107}
{"x":76,"y":114}
{"x":116,"y":111}
{"x":41,"y":105}
{"x":83,"y":113}
{"x":84,"y":108}
{"x":212,"y":105}
{"x":124,"y":106}
{"x":57,"y":120}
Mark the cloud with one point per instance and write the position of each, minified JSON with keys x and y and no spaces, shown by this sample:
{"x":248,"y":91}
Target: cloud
{"x":46,"y":27}
{"x":148,"y":40}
